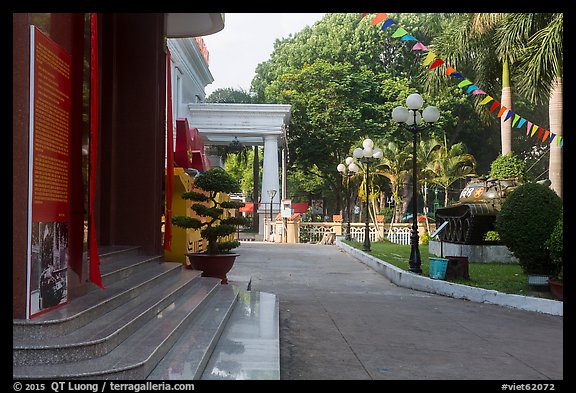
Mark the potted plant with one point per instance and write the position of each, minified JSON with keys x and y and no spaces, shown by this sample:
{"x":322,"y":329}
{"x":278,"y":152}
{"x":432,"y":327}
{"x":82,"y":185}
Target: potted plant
{"x":216,"y":226}
{"x":526,"y":220}
{"x":555,"y":245}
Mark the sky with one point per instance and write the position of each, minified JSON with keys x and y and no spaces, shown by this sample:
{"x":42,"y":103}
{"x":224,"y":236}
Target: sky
{"x":246,"y":41}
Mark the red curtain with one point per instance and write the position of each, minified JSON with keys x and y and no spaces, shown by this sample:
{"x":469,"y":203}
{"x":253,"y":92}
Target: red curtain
{"x":95,"y":275}
{"x":169,"y":156}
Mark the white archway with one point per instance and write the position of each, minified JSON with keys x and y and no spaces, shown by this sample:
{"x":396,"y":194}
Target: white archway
{"x":250,"y":124}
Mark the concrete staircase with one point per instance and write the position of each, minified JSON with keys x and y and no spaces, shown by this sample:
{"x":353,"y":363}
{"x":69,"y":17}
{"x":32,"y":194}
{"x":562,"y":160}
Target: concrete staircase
{"x":153,"y":320}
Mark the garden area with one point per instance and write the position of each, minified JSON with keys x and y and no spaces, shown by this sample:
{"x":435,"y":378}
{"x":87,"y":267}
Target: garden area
{"x":498,"y":116}
{"x":502,"y":277}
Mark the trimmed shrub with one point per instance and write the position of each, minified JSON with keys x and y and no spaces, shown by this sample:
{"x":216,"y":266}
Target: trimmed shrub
{"x":507,"y":166}
{"x":555,"y":244}
{"x":525,"y":222}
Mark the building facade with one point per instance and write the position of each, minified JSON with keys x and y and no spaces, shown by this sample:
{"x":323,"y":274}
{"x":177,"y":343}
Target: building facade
{"x":89,"y":104}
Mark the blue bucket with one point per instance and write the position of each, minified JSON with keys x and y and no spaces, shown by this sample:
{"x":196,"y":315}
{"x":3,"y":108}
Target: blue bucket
{"x":438,"y":268}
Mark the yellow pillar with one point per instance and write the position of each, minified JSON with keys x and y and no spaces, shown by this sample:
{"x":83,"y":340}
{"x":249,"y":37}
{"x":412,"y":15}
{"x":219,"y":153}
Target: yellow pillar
{"x":183,"y":240}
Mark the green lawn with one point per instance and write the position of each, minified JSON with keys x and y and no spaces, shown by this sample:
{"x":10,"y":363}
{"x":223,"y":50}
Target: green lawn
{"x":503,"y":277}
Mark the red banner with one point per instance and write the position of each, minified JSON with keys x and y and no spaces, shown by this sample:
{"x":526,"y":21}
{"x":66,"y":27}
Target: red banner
{"x":169,"y":156}
{"x":95,"y":275}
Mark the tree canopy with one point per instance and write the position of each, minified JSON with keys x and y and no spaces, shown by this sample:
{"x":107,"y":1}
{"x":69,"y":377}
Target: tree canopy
{"x":343,"y":76}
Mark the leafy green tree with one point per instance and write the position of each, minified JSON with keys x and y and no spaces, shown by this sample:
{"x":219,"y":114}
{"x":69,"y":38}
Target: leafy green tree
{"x":395,"y":166}
{"x":509,"y":165}
{"x":333,"y":107}
{"x":450,"y":164}
{"x":537,"y":41}
{"x":229,"y":95}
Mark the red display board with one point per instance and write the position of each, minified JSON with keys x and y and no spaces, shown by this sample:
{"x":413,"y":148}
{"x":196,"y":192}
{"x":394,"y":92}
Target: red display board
{"x":50,"y":125}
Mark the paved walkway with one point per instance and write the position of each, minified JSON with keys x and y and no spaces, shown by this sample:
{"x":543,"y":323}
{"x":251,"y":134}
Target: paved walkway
{"x":340,"y":320}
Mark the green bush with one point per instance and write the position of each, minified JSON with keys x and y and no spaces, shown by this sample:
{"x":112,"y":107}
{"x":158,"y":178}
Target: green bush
{"x":425,"y":238}
{"x":492,"y":236}
{"x":555,"y":244}
{"x":508,"y":166}
{"x":526,"y":220}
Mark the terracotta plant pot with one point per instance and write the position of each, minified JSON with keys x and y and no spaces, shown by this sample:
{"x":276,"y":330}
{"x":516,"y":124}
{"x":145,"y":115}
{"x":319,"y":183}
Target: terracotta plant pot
{"x":213,"y":265}
{"x":557,"y":288}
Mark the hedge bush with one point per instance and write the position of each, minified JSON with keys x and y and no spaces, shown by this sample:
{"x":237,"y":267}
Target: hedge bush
{"x":555,"y":244}
{"x":525,"y":222}
{"x":507,"y":166}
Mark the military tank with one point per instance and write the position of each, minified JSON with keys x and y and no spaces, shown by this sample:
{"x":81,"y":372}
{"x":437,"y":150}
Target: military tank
{"x":475,"y":212}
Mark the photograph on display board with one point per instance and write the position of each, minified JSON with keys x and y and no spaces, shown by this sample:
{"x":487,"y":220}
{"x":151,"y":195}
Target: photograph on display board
{"x":317,"y":206}
{"x":49,"y":265}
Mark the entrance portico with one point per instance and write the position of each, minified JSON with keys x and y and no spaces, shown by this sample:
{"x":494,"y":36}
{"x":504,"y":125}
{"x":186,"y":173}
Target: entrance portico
{"x":251,"y":125}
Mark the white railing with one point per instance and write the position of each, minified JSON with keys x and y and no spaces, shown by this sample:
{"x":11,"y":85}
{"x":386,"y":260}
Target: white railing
{"x":313,"y":232}
{"x":399,"y":235}
{"x":358,"y":233}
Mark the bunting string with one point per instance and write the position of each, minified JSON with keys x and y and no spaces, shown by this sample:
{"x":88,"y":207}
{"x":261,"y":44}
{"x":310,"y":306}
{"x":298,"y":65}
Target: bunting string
{"x":432,"y":61}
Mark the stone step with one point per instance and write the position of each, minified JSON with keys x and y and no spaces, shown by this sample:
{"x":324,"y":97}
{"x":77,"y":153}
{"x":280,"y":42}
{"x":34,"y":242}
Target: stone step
{"x":189,"y":355}
{"x":82,"y":310}
{"x":120,"y":262}
{"x":138,"y":354}
{"x":249,"y":346}
{"x":103,"y":334}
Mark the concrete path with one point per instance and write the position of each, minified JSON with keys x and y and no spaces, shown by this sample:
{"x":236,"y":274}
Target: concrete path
{"x":340,"y":320}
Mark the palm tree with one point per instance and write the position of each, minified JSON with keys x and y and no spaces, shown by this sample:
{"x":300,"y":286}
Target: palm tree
{"x":471,"y":53}
{"x":394,"y":165}
{"x":450,"y":164}
{"x":536,"y":40}
{"x":426,"y":154}
{"x":488,"y":23}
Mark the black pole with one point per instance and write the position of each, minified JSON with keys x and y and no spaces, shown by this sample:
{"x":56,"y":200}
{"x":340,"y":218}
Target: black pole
{"x":348,"y":235}
{"x":366,"y":245}
{"x":415,"y":261}
{"x":271,"y":227}
{"x":256,"y":175}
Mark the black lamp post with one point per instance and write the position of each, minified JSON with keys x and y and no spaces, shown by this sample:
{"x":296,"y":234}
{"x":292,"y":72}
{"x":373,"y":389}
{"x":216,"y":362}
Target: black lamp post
{"x":412,"y":117}
{"x":348,"y":170}
{"x":271,"y":194}
{"x":367,"y":155}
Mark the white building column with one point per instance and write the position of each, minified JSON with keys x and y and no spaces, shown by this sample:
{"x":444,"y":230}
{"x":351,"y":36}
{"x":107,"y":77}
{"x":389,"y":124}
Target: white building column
{"x":270,"y":181}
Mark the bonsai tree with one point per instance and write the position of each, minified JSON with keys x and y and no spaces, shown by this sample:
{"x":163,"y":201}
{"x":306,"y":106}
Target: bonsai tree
{"x":526,"y":220}
{"x":214,"y":227}
{"x":555,"y":245}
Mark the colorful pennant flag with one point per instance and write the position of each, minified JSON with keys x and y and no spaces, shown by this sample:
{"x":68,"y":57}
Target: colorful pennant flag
{"x":379,"y":18}
{"x":528,"y":127}
{"x":449,"y":70}
{"x":400,"y":32}
{"x":431,"y":61}
{"x":486,"y":100}
{"x":419,"y":46}
{"x":388,"y":23}
{"x":438,"y":62}
{"x":429,"y":57}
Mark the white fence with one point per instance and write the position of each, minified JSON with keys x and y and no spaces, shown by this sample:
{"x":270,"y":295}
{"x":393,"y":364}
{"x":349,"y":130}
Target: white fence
{"x":314,"y":232}
{"x":399,"y":235}
{"x":358,"y":233}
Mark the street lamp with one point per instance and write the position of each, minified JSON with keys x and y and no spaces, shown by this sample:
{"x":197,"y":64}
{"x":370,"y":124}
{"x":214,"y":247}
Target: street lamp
{"x":366,"y":155}
{"x":348,"y":170}
{"x":271,"y":194}
{"x":412,"y":117}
